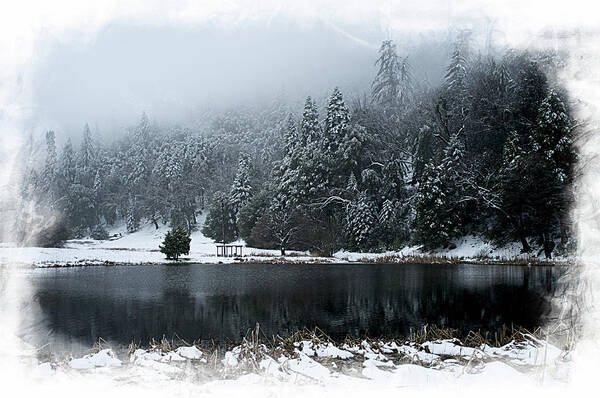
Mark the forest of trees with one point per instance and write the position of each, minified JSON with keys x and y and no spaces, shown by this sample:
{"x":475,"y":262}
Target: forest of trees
{"x":488,"y":152}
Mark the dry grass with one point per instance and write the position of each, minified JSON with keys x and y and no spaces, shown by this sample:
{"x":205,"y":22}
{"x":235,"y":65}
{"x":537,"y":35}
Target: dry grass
{"x":256,"y":346}
{"x":278,"y":255}
{"x":257,"y":342}
{"x":282,"y":260}
{"x":269,"y":258}
{"x":443,"y":259}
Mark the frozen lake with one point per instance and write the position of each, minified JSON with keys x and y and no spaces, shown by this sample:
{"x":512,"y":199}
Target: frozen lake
{"x":76,"y":306}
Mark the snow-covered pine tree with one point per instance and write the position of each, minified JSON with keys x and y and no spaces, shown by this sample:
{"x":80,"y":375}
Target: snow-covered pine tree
{"x":87,"y":154}
{"x":296,"y":177}
{"x":455,"y":83}
{"x":531,"y":89}
{"x":361,"y":222}
{"x":385,"y":89}
{"x":67,"y":166}
{"x":371,"y":184}
{"x":178,"y":194}
{"x":452,"y":175}
{"x":337,"y":123}
{"x":392,"y":87}
{"x":220,"y":222}
{"x":453,"y":168}
{"x":432,"y":221}
{"x":98,"y":189}
{"x":392,"y":229}
{"x":67,"y":176}
{"x":241,"y":191}
{"x":456,"y":73}
{"x":85,"y":214}
{"x":514,"y":189}
{"x":140,"y":153}
{"x":139,"y":164}
{"x":350,"y":153}
{"x":310,"y":129}
{"x":352,"y":187}
{"x":552,"y":138}
{"x":290,"y":137}
{"x":133,"y":223}
{"x":49,"y":183}
{"x":328,"y":168}
{"x":553,"y":158}
{"x":393,"y":185}
{"x":406,"y":83}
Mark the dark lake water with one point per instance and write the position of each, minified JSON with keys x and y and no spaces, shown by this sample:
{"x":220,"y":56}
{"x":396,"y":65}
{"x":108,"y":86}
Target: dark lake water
{"x":76,"y":306}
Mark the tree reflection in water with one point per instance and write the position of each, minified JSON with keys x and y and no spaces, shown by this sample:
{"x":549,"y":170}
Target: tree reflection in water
{"x":124,"y":304}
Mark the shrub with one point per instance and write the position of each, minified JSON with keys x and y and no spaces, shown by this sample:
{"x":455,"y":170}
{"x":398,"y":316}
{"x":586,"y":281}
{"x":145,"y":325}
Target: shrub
{"x":177,"y":242}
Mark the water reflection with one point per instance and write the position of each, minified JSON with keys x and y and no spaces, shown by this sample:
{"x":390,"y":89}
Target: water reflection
{"x":121,"y":304}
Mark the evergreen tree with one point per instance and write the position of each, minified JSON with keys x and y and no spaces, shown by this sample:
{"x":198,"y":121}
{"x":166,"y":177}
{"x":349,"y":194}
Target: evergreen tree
{"x":352,"y":187}
{"x":249,"y":214}
{"x":552,"y":139}
{"x":139,"y":166}
{"x":514,"y":190}
{"x":336,"y":124}
{"x":310,"y":129}
{"x":456,"y":73}
{"x":241,"y":190}
{"x":299,"y":176}
{"x":392,"y":229}
{"x":291,"y":137}
{"x":328,"y":163}
{"x":553,"y":158}
{"x":220,"y":224}
{"x":87,"y":154}
{"x":386,"y":89}
{"x":133,"y":223}
{"x":176,"y":242}
{"x":350,"y":156}
{"x":361,"y":222}
{"x":433,"y":222}
{"x":455,"y":100}
{"x":50,"y":174}
{"x":86,"y":214}
{"x":67,"y":166}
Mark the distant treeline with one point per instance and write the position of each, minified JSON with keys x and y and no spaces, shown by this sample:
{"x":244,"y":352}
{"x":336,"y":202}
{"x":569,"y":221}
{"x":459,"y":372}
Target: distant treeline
{"x":489,"y":152}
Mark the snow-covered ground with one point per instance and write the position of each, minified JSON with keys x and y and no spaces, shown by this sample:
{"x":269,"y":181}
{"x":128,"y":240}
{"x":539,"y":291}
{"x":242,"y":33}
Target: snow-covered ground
{"x":364,"y":365}
{"x":141,"y":247}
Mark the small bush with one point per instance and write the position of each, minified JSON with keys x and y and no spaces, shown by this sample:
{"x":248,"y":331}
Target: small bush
{"x":177,"y":242}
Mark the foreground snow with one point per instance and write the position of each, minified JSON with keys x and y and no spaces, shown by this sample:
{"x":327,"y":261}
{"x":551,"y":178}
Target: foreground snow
{"x":141,"y":247}
{"x":365,"y":365}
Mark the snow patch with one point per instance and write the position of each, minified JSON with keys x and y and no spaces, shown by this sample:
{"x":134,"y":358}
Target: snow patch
{"x":104,"y":358}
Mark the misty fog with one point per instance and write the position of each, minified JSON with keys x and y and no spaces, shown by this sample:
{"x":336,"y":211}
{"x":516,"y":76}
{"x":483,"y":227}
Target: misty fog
{"x":174,"y":73}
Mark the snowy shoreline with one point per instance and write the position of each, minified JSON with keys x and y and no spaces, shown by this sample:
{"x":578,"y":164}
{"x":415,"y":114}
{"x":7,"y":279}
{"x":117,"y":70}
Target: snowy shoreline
{"x":141,"y":248}
{"x":307,"y":359}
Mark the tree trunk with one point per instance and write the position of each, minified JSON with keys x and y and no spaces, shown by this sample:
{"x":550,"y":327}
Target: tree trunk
{"x":563,"y":229}
{"x":155,"y":223}
{"x":282,"y":251}
{"x":519,"y":225}
{"x":548,"y":244}
{"x":526,"y":248}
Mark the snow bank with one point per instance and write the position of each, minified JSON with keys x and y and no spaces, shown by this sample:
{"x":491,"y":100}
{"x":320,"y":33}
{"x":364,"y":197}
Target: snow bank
{"x":367,"y":363}
{"x":104,"y":358}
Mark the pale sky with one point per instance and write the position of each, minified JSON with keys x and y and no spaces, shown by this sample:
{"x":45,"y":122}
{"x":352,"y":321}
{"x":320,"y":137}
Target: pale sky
{"x":68,"y":63}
